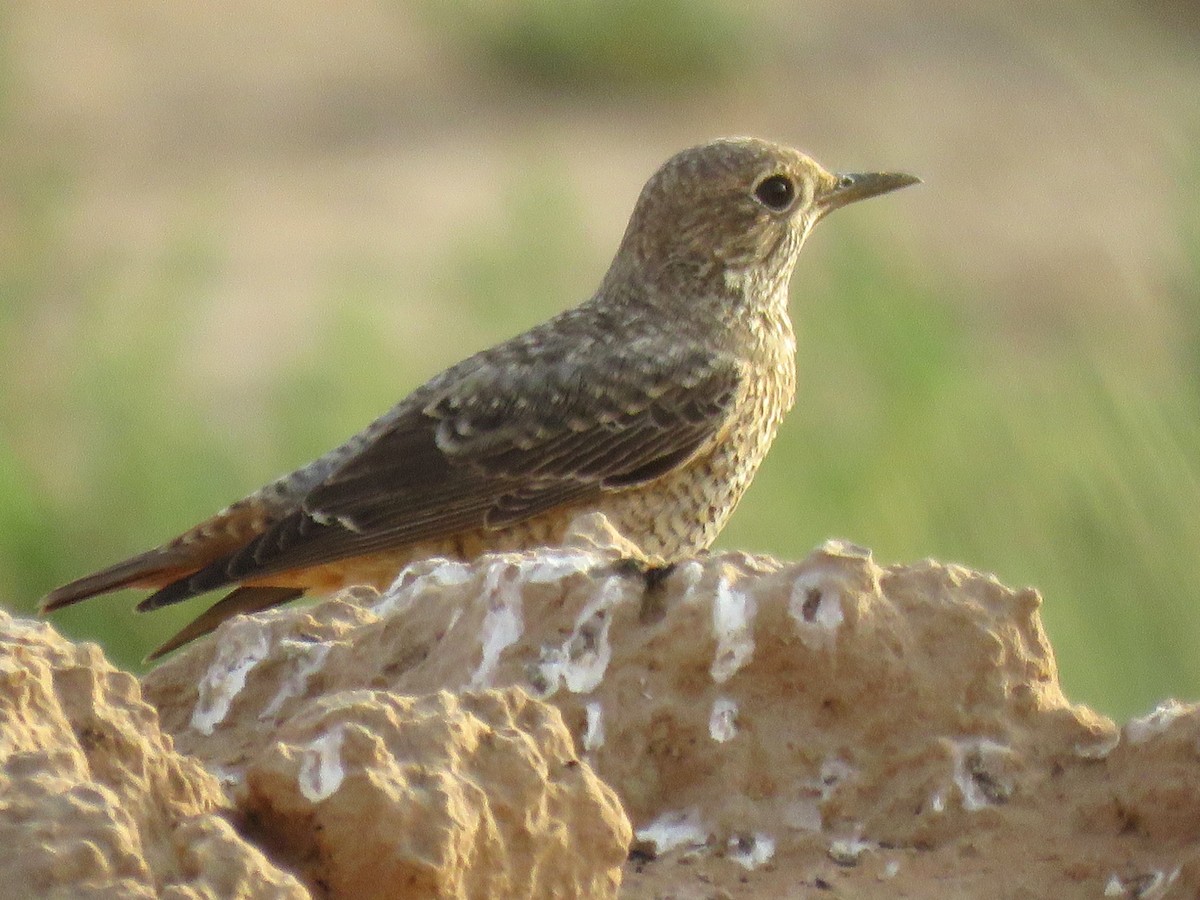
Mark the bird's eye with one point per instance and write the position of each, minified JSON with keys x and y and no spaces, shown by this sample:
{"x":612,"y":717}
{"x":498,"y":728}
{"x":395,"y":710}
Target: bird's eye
{"x":776,"y":192}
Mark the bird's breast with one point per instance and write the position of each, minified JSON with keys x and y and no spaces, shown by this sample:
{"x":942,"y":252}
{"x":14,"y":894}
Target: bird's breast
{"x":682,"y":513}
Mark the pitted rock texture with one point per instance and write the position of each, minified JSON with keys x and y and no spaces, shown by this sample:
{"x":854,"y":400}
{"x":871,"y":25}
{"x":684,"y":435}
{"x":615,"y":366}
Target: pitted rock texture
{"x":376,"y":795}
{"x":835,"y":724}
{"x":94,"y":802}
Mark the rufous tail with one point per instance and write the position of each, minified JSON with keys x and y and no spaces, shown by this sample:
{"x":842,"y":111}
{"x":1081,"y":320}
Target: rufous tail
{"x":151,"y":569}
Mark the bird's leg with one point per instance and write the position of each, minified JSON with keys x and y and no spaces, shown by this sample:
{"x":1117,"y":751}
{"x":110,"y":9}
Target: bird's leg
{"x":653,"y":578}
{"x":653,"y":575}
{"x":656,"y":576}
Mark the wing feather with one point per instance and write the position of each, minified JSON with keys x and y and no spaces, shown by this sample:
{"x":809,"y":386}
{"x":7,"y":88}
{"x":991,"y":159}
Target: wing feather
{"x":491,"y":449}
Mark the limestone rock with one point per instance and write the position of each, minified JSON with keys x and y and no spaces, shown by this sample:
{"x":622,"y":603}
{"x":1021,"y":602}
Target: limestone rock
{"x":93,"y":799}
{"x":828,"y":723}
{"x":372,"y":794}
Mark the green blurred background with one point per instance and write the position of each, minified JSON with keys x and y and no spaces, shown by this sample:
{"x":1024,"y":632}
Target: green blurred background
{"x":233,"y":233}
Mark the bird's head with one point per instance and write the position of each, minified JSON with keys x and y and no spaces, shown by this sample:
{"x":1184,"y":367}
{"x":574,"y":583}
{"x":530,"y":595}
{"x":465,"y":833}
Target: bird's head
{"x":735,"y":212}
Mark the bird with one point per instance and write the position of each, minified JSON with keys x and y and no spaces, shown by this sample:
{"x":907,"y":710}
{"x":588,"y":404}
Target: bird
{"x":653,"y":402}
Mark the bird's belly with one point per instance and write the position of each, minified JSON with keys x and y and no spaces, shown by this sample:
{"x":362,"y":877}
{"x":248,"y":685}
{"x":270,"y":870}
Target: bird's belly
{"x":379,"y":570}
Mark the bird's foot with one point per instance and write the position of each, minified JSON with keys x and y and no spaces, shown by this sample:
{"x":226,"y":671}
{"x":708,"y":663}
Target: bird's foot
{"x":653,"y":578}
{"x":653,"y":575}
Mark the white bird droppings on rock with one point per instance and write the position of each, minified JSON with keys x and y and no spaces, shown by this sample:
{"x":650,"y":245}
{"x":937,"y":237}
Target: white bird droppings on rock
{"x":582,"y":659}
{"x":593,"y":737}
{"x":834,"y":771}
{"x":555,"y":565}
{"x":321,"y":770}
{"x":502,"y":627}
{"x":306,"y":657}
{"x":1141,"y":729}
{"x":848,"y":851}
{"x":1100,"y":749}
{"x":1151,"y":886}
{"x":681,"y":828}
{"x":751,"y":850}
{"x":417,"y":577}
{"x":502,"y":624}
{"x":981,"y":772}
{"x":243,"y":647}
{"x":450,"y":572}
{"x":733,"y":613}
{"x":816,"y":608}
{"x":722,"y":722}
{"x":689,"y":574}
{"x":1159,"y":883}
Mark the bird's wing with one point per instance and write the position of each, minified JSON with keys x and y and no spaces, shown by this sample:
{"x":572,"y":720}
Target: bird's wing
{"x":499,"y":444}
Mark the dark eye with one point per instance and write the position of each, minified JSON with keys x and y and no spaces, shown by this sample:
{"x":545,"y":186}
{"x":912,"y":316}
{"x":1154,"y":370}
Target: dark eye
{"x":776,"y":192}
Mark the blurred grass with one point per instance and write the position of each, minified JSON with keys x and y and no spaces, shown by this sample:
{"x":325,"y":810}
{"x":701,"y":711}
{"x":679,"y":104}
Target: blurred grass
{"x":596,"y":46}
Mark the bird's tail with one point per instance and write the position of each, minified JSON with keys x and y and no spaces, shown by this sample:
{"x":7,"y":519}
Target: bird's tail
{"x":243,"y":601}
{"x":200,"y":545}
{"x":151,"y":569}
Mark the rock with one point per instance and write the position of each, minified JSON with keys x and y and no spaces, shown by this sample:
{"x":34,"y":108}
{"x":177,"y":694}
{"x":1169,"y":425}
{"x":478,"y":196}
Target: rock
{"x":832,"y":722}
{"x":376,"y":795}
{"x":95,"y":801}
{"x":770,"y":729}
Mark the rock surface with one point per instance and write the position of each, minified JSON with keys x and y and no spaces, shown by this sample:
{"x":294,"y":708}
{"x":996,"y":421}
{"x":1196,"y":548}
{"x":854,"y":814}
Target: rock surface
{"x":889,"y":731}
{"x":373,"y":794}
{"x":770,"y":729}
{"x":94,"y":802}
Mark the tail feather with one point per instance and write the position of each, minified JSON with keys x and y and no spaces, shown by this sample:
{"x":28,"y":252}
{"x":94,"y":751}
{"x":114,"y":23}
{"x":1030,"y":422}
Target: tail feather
{"x":151,"y":569}
{"x":243,"y":600}
{"x":212,"y":539}
{"x":198,"y":580}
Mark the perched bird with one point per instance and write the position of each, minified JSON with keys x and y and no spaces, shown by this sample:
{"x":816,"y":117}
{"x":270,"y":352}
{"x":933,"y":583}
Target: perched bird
{"x":653,"y":403}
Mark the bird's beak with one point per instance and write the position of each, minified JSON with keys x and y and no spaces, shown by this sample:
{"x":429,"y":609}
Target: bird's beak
{"x":852,"y":188}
